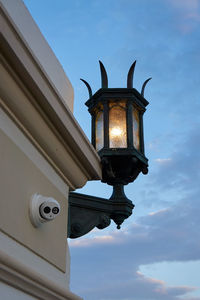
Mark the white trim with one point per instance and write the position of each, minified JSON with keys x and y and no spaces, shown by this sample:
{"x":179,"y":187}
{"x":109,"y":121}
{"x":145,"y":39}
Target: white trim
{"x":32,"y":284}
{"x":26,"y":271}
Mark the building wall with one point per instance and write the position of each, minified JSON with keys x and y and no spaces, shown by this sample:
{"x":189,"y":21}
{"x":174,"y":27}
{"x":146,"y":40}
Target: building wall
{"x":34,"y":261}
{"x":42,"y":150}
{"x":25,"y":172}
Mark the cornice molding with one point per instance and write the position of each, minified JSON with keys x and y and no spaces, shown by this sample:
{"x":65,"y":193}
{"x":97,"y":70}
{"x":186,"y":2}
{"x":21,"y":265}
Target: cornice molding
{"x":25,"y":279}
{"x":25,"y":26}
{"x":69,"y":151}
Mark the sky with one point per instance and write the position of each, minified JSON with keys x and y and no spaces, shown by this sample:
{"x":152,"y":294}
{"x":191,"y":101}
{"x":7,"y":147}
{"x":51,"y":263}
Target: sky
{"x":156,"y":254}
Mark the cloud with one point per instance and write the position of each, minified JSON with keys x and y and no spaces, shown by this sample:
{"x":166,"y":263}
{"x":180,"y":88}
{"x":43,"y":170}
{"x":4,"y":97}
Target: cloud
{"x":85,"y":242}
{"x":163,"y":160}
{"x":106,"y":268}
{"x":167,"y":235}
{"x":182,"y":169}
{"x":188,"y":13}
{"x":112,"y":268}
{"x":191,"y":6}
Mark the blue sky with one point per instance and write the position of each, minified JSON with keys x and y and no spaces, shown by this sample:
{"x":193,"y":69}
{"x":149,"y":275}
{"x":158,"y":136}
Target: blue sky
{"x":156,"y":255}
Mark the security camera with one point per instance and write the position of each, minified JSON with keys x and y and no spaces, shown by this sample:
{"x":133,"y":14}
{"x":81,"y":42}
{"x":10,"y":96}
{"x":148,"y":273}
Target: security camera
{"x":43,"y":209}
{"x":49,"y":209}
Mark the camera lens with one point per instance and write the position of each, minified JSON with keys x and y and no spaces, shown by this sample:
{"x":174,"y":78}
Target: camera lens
{"x":55,"y":210}
{"x":47,"y":209}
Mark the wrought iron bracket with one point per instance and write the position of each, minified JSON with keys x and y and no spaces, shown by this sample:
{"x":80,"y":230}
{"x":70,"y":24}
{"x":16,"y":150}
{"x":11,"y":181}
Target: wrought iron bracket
{"x":87,"y":212}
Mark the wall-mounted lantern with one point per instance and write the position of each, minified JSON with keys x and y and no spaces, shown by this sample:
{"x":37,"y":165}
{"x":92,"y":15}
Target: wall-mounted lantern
{"x":117,"y":136}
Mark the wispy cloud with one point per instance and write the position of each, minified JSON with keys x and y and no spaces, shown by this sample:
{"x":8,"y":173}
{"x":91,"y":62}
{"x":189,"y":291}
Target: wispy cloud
{"x":163,"y":160}
{"x":182,"y":169}
{"x":159,"y":212}
{"x":96,"y":240}
{"x":188,"y":12}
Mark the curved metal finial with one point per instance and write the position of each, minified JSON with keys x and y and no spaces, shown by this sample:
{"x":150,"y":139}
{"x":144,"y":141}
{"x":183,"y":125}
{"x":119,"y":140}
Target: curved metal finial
{"x":143,"y":87}
{"x":104,"y":78}
{"x":130,"y":76}
{"x":88,"y":87}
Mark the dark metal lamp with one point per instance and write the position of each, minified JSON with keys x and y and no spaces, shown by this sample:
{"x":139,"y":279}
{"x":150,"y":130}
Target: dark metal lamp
{"x":117,"y":135}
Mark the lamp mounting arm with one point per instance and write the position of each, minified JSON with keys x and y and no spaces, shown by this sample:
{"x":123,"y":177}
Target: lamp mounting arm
{"x":87,"y":212}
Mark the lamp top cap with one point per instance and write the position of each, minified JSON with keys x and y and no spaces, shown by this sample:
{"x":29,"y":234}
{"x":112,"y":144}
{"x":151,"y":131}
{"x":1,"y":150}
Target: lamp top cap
{"x":116,"y":94}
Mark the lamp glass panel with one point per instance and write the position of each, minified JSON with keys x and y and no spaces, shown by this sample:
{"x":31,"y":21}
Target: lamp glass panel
{"x":136,"y":128}
{"x":117,"y":125}
{"x":99,"y":130}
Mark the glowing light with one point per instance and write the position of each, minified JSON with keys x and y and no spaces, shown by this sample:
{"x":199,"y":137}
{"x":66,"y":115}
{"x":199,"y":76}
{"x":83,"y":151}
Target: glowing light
{"x":116,"y":131}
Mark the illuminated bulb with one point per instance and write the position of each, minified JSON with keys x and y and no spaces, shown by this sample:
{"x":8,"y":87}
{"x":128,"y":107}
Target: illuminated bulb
{"x":116,"y":131}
